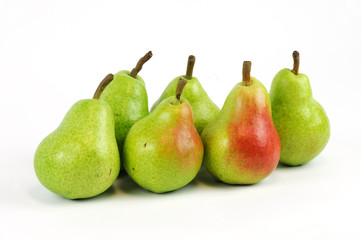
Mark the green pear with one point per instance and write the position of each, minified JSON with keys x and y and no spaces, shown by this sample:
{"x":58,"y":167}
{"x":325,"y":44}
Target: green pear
{"x":163,"y":151}
{"x":300,"y":120}
{"x":128,"y":98}
{"x":80,"y":159}
{"x":204,"y":109}
{"x":241,"y":146}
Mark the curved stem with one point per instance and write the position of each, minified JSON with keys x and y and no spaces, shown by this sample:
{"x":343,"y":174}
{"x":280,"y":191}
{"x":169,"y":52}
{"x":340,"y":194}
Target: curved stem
{"x":190,"y":66}
{"x":180,"y":86}
{"x":246,"y":73}
{"x":103,"y":84}
{"x":140,"y":63}
{"x":296,"y":62}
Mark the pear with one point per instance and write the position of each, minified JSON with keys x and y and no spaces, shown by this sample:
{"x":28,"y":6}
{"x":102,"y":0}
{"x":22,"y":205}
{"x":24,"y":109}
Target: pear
{"x":80,"y":159}
{"x":300,"y":120}
{"x":204,"y":109}
{"x":128,"y":98}
{"x":163,"y":151}
{"x":241,"y":146}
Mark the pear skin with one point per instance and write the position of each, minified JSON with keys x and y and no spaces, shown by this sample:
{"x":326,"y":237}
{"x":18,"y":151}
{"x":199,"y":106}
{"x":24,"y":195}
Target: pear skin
{"x":301,"y":122}
{"x":163,"y":151}
{"x":241,"y":146}
{"x":80,"y":159}
{"x":204,"y":109}
{"x":127,"y":96}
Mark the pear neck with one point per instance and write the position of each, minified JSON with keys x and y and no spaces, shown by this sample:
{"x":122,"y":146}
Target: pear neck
{"x":175,"y":101}
{"x":298,"y":92}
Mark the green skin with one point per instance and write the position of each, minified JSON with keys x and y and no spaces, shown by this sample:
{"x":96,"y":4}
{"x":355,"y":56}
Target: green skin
{"x":80,"y":159}
{"x":204,"y":109}
{"x":163,"y":151}
{"x":128,"y":99}
{"x":241,"y":146}
{"x":300,"y":120}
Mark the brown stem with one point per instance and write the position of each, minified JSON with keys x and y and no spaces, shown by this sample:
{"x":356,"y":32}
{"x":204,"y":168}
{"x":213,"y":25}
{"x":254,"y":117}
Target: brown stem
{"x":103,"y":84}
{"x":140,"y":63}
{"x":296,"y":62}
{"x":246,"y":73}
{"x":181,"y":84}
{"x":190,"y":66}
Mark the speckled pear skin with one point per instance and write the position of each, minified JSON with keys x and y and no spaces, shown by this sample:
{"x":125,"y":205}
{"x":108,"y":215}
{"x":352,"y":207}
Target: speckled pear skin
{"x":300,"y":120}
{"x":80,"y":159}
{"x":163,"y":151}
{"x":204,"y":109}
{"x":128,"y":99}
{"x":241,"y":146}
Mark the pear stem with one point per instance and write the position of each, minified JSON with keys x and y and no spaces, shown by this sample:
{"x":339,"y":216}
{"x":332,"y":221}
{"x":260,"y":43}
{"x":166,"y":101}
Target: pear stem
{"x":246,"y":72}
{"x":103,"y":84}
{"x":140,"y":63}
{"x":296,"y":62}
{"x":190,"y":66}
{"x":180,"y":86}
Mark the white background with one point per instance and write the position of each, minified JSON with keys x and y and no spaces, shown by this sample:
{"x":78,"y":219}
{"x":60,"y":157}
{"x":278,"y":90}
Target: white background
{"x":54,"y":53}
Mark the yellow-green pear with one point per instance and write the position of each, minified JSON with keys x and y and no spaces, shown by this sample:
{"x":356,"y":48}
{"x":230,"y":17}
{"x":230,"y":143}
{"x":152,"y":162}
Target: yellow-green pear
{"x":80,"y":159}
{"x":301,"y":122}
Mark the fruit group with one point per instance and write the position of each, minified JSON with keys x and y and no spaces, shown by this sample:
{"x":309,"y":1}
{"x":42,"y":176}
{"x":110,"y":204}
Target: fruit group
{"x":241,"y":146}
{"x":163,"y":151}
{"x":204,"y":109}
{"x":300,"y":120}
{"x":128,"y":98}
{"x":80,"y":159}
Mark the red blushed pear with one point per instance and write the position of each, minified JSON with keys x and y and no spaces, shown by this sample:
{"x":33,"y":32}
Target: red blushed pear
{"x":163,"y":151}
{"x":242,"y":146}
